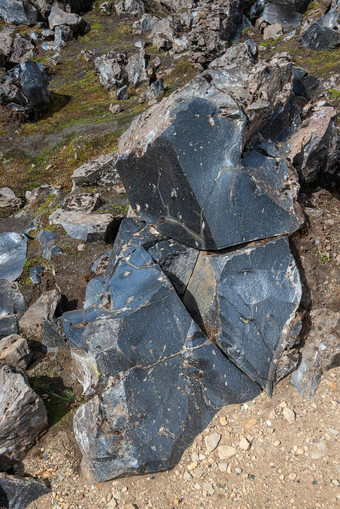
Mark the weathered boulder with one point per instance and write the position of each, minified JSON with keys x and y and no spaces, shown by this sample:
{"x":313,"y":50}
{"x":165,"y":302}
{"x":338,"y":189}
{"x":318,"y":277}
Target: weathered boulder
{"x":313,"y":148}
{"x":59,"y":17}
{"x":288,"y":13}
{"x":15,"y":47}
{"x":8,"y":198}
{"x":43,"y":309}
{"x":246,"y":300}
{"x":20,"y":12}
{"x":320,"y":353}
{"x":14,"y":350}
{"x":22,"y":417}
{"x":184,"y":168}
{"x":84,"y":202}
{"x":12,"y":307}
{"x":144,"y":24}
{"x":47,"y":241}
{"x":130,"y":7}
{"x":164,"y":32}
{"x":13,"y":248}
{"x":324,"y":33}
{"x":138,"y":345}
{"x":24,"y":89}
{"x":101,"y":171}
{"x":19,"y":492}
{"x":136,"y":69}
{"x":88,"y":227}
{"x":111,"y":69}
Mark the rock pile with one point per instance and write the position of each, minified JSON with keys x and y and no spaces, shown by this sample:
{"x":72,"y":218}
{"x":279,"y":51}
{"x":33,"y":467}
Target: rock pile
{"x":198,"y":306}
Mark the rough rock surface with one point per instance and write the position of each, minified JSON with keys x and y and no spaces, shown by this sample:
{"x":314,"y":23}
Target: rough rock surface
{"x":47,"y":240}
{"x":23,"y":89}
{"x":8,"y":198}
{"x":20,"y":12}
{"x":14,"y":350}
{"x":130,"y":7}
{"x":111,"y":69}
{"x":88,"y":227}
{"x":141,"y":345}
{"x":13,"y":247}
{"x":19,"y":492}
{"x":31,"y":324}
{"x":12,"y":307}
{"x":180,"y":177}
{"x":246,"y":300}
{"x":101,"y":171}
{"x":58,"y":17}
{"x":324,"y":33}
{"x":22,"y":416}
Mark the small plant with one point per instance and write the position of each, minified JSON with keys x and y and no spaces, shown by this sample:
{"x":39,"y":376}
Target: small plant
{"x":323,"y":257}
{"x":67,"y":397}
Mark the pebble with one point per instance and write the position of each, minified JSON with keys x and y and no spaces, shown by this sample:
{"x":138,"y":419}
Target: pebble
{"x":193,"y":465}
{"x":289,"y":415}
{"x":335,"y":482}
{"x":212,"y":441}
{"x":208,"y":487}
{"x":187,"y":476}
{"x":223,"y":421}
{"x":250,"y":423}
{"x":226,"y":451}
{"x":222,"y":466}
{"x":244,"y":444}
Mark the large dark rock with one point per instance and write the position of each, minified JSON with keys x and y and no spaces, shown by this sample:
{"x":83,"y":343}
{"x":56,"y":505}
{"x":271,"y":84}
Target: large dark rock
{"x":159,"y":377}
{"x":246,"y":300}
{"x":20,"y":492}
{"x":20,"y":12}
{"x":185,"y":170}
{"x":288,"y":13}
{"x":24,"y":89}
{"x":324,"y":33}
{"x":22,"y":416}
{"x":13,"y":248}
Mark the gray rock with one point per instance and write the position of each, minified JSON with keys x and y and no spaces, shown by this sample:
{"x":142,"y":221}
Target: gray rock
{"x":313,"y":148}
{"x":98,"y":172}
{"x":87,"y":227}
{"x":111,"y":69}
{"x":100,"y":264}
{"x":154,"y":91}
{"x":122,"y":93}
{"x":35,"y":273}
{"x":94,"y":290}
{"x":22,"y":417}
{"x":8,"y":198}
{"x":307,"y":85}
{"x":11,"y":300}
{"x":320,"y":353}
{"x":136,"y":69}
{"x":63,"y":34}
{"x":59,"y":17}
{"x":14,"y":351}
{"x":144,"y":24}
{"x":23,"y":89}
{"x":43,"y":309}
{"x":184,"y":168}
{"x":47,"y":240}
{"x":164,"y":32}
{"x":53,"y":338}
{"x":130,"y":7}
{"x":19,"y":12}
{"x":15,"y":47}
{"x":84,"y":202}
{"x":139,"y":345}
{"x":324,"y":33}
{"x":13,"y":248}
{"x":246,"y":300}
{"x":19,"y":492}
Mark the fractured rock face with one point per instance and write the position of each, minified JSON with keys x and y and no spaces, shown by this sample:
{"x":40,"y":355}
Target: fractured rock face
{"x":24,"y":89}
{"x":246,"y":300}
{"x":13,"y":248}
{"x":324,"y":33}
{"x":189,"y":175}
{"x":22,"y":416}
{"x":111,"y":69}
{"x":14,"y":351}
{"x":20,"y":12}
{"x":140,"y":348}
{"x":84,"y":226}
{"x":19,"y":492}
{"x":12,"y":307}
{"x":43,"y":309}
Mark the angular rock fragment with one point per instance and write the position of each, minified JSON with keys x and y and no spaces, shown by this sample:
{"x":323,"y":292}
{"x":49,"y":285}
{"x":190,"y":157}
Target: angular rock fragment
{"x":19,"y":492}
{"x":130,"y":7}
{"x":31,"y":324}
{"x":87,"y":227}
{"x":161,"y":380}
{"x":324,"y":33}
{"x":246,"y":301}
{"x":58,"y":17}
{"x":47,"y":241}
{"x":20,"y":12}
{"x":84,"y":202}
{"x":111,"y":69}
{"x":136,"y":69}
{"x":13,"y":248}
{"x":22,"y":417}
{"x":12,"y":307}
{"x":23,"y":89}
{"x":14,"y":351}
{"x":99,"y":171}
{"x":189,"y":175}
{"x":320,"y":353}
{"x":8,"y":198}
{"x":313,"y":148}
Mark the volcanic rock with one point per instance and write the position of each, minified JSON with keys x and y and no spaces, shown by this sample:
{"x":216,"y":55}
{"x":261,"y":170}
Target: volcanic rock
{"x":31,"y":324}
{"x":84,"y":226}
{"x":14,"y":351}
{"x":22,"y":416}
{"x":19,"y":12}
{"x":324,"y":33}
{"x":19,"y":492}
{"x":13,"y":247}
{"x":111,"y":69}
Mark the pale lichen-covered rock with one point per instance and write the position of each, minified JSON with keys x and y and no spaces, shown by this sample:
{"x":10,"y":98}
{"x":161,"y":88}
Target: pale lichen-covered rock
{"x":22,"y":417}
{"x":89,"y":227}
{"x":101,"y":171}
{"x":14,"y":350}
{"x":111,"y":69}
{"x":8,"y":198}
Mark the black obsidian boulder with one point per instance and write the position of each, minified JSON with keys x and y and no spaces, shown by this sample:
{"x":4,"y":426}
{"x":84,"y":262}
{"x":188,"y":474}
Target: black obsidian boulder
{"x":24,"y":89}
{"x":324,"y":33}
{"x":246,"y":300}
